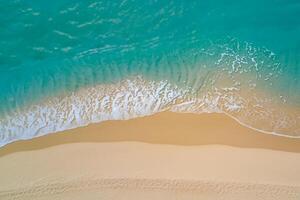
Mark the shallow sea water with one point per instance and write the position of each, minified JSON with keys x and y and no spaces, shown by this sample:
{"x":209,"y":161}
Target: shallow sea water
{"x":70,"y":63}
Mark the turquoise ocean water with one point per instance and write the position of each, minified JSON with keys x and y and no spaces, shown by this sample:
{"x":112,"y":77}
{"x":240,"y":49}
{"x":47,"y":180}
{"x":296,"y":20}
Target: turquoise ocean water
{"x":68,"y":63}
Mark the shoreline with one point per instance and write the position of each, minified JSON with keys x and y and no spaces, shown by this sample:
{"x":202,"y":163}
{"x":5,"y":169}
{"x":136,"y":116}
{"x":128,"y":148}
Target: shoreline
{"x":164,"y":128}
{"x":139,"y":97}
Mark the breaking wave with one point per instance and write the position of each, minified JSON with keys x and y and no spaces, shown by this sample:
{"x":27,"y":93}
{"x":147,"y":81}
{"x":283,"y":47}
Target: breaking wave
{"x":138,"y":97}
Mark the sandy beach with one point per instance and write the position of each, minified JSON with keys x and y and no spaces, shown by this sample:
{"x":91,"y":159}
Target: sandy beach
{"x":164,"y":156}
{"x":150,"y":100}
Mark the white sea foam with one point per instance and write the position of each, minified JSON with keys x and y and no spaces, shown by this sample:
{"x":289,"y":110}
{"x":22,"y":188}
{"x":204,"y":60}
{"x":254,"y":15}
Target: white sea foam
{"x":124,"y":100}
{"x":134,"y":98}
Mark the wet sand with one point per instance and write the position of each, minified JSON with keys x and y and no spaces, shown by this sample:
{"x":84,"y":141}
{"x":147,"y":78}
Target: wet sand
{"x":164,"y":156}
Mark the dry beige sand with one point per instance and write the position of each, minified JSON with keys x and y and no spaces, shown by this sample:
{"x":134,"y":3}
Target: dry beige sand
{"x":164,"y":156}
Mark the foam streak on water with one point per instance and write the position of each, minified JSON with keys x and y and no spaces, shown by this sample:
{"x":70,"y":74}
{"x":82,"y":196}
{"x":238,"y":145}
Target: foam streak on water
{"x":71,"y":63}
